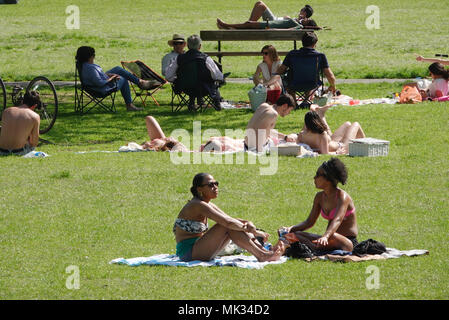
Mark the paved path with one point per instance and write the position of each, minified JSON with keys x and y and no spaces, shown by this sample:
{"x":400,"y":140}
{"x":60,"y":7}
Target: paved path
{"x":232,"y":80}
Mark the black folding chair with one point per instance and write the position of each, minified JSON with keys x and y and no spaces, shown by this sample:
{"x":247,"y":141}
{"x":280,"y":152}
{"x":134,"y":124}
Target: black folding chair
{"x":188,"y":87}
{"x":304,"y":78}
{"x":142,"y":71}
{"x":86,"y":98}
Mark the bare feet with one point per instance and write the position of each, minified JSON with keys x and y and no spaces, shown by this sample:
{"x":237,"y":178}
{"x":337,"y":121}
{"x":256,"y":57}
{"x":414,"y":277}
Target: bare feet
{"x":221,"y":24}
{"x":277,"y":251}
{"x":132,"y":107}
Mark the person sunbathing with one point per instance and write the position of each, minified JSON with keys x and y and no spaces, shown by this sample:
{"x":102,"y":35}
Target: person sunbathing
{"x":317,"y":134}
{"x":286,"y":24}
{"x":159,"y":142}
{"x":260,"y":132}
{"x":195,"y":241}
{"x":334,"y":205}
{"x":261,"y":10}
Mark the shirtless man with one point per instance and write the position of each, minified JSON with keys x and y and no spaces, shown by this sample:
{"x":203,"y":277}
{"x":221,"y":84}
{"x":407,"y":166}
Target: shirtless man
{"x":260,"y":133}
{"x":20,"y":127}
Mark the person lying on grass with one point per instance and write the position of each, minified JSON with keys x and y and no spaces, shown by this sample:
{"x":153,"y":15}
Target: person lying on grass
{"x":317,"y":134}
{"x":159,"y":142}
{"x":439,"y":86}
{"x":19,"y":133}
{"x":334,"y":205}
{"x":261,"y":10}
{"x":195,"y":241}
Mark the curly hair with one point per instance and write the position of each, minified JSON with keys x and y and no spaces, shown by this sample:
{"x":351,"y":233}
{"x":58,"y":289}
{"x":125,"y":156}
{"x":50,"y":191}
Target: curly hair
{"x":84,"y":53}
{"x":335,"y":171}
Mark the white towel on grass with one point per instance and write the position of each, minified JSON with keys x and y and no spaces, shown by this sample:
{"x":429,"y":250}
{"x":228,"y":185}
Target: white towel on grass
{"x":241,"y":261}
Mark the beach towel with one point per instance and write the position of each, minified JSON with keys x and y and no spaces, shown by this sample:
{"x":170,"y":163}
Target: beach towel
{"x":391,"y":253}
{"x":241,"y":261}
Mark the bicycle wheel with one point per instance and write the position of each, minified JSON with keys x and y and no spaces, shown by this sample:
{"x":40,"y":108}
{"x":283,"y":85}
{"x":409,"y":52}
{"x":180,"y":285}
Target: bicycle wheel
{"x":48,"y":109}
{"x":2,"y":97}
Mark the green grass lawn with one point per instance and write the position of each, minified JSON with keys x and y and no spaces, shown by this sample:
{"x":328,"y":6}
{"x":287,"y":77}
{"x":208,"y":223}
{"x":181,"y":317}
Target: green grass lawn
{"x":87,"y":209}
{"x":84,"y":210}
{"x":34,"y":39}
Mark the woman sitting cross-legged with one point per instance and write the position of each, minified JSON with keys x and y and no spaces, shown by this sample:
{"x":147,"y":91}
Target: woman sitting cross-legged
{"x":93,"y":77}
{"x":195,"y":241}
{"x":334,"y":205}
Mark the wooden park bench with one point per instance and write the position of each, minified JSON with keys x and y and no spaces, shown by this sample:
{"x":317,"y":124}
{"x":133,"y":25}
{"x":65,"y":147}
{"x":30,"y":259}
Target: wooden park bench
{"x":250,"y":35}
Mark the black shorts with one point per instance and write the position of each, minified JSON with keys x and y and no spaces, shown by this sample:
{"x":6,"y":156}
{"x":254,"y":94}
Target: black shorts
{"x":353,"y":240}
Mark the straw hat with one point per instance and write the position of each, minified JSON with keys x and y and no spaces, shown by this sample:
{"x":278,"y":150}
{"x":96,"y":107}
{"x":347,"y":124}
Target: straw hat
{"x":177,"y":38}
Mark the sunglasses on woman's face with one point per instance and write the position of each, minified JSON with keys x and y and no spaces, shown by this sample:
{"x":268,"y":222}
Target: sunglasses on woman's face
{"x":265,"y":53}
{"x":210,"y":184}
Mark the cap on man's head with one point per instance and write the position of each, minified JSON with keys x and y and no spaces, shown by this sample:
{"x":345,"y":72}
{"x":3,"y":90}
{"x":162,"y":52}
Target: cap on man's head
{"x":177,"y":38}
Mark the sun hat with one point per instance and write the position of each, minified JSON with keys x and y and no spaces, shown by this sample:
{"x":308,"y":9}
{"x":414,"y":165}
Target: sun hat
{"x":177,"y":38}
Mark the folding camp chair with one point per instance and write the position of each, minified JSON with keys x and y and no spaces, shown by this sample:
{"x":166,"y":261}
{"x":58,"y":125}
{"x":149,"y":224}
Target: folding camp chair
{"x":142,"y":71}
{"x":86,"y":98}
{"x":304,"y":78}
{"x":187,"y":88}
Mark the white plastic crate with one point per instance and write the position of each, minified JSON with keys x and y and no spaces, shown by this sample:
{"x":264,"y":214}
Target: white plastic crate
{"x":368,"y":147}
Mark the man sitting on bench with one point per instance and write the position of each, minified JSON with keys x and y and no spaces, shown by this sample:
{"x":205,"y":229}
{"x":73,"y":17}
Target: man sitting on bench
{"x":20,"y":127}
{"x":261,"y":10}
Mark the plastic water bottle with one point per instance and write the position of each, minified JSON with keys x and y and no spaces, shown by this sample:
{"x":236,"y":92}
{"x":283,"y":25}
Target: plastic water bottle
{"x":267,"y":246}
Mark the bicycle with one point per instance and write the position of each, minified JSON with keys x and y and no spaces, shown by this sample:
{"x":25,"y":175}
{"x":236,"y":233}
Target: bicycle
{"x":47,"y":109}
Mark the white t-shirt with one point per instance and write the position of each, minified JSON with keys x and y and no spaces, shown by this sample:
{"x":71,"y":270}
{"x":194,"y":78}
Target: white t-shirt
{"x":438,"y":85}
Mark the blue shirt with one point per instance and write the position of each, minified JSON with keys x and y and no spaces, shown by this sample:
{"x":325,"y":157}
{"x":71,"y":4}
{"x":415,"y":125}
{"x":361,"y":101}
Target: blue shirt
{"x":94,"y":77}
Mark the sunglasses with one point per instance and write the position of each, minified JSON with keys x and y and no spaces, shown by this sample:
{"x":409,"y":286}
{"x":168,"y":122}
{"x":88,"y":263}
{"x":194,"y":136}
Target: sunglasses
{"x":265,"y":53}
{"x":210,"y":184}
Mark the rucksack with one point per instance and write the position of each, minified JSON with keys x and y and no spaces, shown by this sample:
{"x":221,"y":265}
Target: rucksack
{"x":298,"y":250}
{"x":369,"y":246}
{"x":410,"y":94}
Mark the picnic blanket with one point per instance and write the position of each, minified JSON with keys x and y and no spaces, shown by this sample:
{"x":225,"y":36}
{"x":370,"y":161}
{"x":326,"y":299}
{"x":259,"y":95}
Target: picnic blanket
{"x":391,"y":253}
{"x":35,"y":154}
{"x":345,"y":100}
{"x":241,"y":261}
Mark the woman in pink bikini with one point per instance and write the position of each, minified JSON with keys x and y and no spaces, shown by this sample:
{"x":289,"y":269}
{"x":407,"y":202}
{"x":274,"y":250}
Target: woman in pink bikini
{"x":333,"y":204}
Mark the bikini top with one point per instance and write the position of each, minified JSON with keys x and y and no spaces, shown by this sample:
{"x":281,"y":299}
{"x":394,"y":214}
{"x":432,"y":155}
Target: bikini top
{"x":333,"y":211}
{"x":191,"y":226}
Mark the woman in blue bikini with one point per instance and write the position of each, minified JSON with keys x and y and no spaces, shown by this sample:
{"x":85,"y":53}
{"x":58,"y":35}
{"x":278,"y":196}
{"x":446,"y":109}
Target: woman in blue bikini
{"x":335,"y":205}
{"x":195,"y":241}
